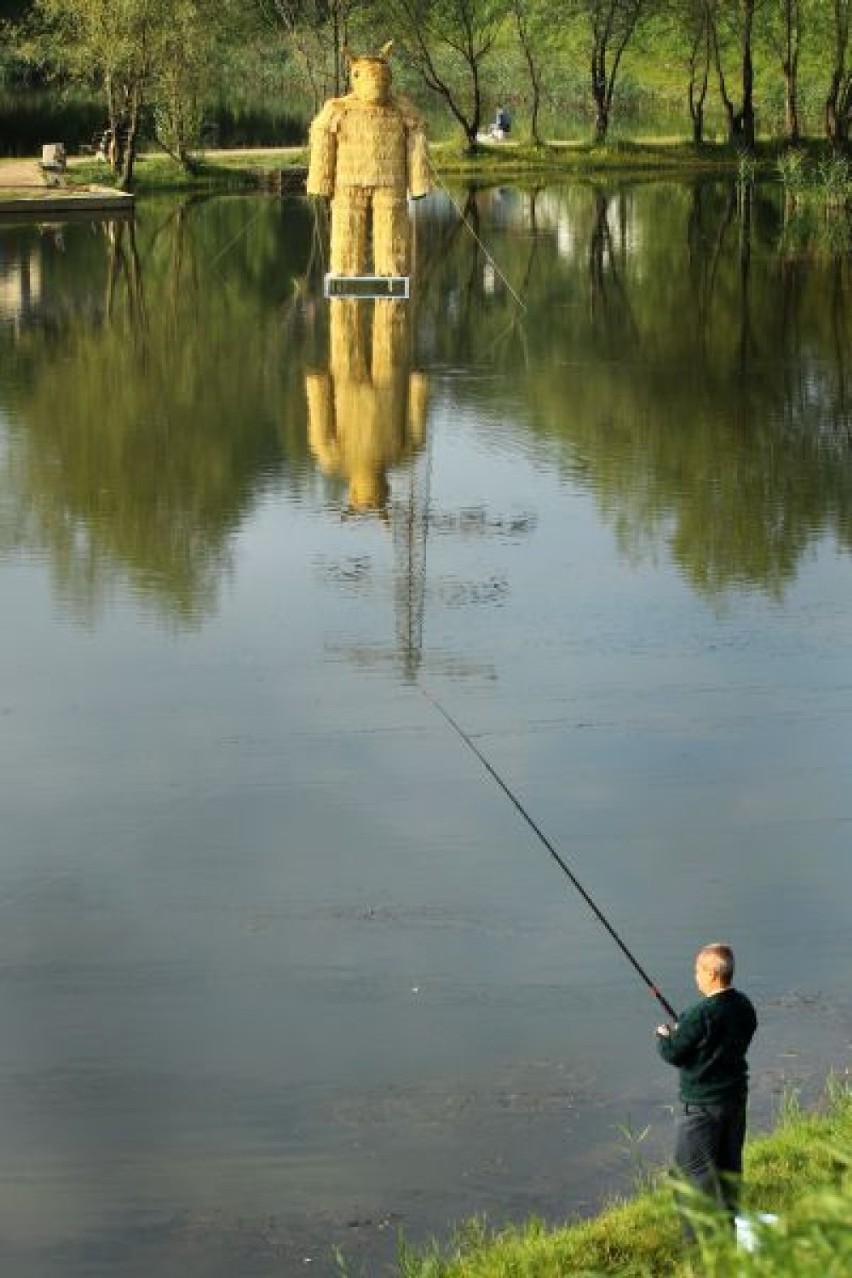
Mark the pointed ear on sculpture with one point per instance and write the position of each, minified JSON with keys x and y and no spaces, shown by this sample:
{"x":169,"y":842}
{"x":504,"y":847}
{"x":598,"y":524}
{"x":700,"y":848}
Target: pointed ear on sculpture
{"x":386,"y":49}
{"x":348,"y":56}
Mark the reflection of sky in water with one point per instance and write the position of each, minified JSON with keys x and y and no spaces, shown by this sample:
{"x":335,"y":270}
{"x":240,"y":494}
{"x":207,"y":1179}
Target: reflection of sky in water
{"x":274,"y":942}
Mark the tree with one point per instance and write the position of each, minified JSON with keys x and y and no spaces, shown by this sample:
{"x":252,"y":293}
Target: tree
{"x":612,"y":24}
{"x":145,"y":55}
{"x":784,"y":32}
{"x":525,"y":19}
{"x":184,"y":65}
{"x":316,"y":32}
{"x":109,"y":43}
{"x":838,"y":102}
{"x":447,"y":42}
{"x":692,"y":31}
{"x":738,"y":17}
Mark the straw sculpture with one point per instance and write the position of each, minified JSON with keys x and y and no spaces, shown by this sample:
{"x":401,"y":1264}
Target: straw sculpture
{"x":367,"y":413}
{"x":367,"y":155}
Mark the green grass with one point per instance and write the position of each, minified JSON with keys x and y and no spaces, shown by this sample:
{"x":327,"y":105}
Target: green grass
{"x":157,"y":174}
{"x":800,"y":1172}
{"x":660,"y":155}
{"x":495,"y":161}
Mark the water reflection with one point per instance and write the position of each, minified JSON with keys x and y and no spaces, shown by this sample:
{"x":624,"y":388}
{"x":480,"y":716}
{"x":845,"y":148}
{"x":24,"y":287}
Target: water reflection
{"x":367,"y":411}
{"x":144,"y":425}
{"x":205,"y":828}
{"x":684,"y":366}
{"x":664,"y":343}
{"x":20,"y":282}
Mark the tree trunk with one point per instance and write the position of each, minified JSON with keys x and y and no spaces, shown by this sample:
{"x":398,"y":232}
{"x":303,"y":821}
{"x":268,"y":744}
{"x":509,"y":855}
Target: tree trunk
{"x":113,"y":154}
{"x":791,"y":102}
{"x":697,"y":91}
{"x":838,"y":110}
{"x":741,"y":123}
{"x":535,"y":82}
{"x":599,"y":95}
{"x":789,"y":50}
{"x":129,"y":150}
{"x":747,"y":122}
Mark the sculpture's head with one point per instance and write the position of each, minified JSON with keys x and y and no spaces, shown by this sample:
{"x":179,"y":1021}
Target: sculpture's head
{"x":370,"y":77}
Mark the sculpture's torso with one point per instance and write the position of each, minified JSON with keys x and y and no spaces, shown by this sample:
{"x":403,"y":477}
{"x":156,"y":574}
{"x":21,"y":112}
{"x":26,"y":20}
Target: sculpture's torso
{"x":371,"y":144}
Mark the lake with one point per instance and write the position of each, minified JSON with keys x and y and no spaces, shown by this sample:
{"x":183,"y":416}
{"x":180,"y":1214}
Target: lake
{"x":281,"y":967}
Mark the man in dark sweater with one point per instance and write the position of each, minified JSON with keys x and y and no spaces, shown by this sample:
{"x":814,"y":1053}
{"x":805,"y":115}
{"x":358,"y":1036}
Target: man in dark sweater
{"x":708,"y":1046}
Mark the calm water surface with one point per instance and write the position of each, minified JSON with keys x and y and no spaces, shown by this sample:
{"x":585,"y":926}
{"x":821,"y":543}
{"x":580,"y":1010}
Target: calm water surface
{"x":280,"y":967}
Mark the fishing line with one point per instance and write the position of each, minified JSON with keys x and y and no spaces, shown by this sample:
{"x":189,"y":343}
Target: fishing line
{"x":598,"y":913}
{"x":464,"y":221}
{"x":239,"y":235}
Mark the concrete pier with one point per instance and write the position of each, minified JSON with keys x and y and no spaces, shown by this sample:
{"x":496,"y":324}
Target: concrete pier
{"x":26,"y":192}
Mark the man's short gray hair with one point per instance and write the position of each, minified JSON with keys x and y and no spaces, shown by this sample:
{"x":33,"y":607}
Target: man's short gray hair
{"x":721,"y":958}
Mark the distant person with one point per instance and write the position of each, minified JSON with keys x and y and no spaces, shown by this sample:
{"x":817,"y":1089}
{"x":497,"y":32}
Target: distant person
{"x":502,"y":123}
{"x":103,"y":150}
{"x":708,"y":1046}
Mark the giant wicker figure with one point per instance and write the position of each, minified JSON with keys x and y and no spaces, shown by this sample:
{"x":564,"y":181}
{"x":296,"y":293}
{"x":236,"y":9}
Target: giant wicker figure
{"x":368,"y":153}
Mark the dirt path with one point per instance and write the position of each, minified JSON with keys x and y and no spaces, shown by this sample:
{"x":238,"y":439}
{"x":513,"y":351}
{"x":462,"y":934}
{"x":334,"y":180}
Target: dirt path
{"x":20,"y":174}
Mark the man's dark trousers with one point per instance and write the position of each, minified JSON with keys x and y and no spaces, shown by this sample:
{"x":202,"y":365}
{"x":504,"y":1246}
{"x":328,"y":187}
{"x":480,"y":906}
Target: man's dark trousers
{"x":709,"y":1150}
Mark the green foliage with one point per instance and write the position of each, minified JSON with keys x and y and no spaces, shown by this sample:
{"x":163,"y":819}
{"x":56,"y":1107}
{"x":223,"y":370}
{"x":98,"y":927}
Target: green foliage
{"x":818,"y":202}
{"x":27,"y":120}
{"x":792,"y":169}
{"x":462,"y":57}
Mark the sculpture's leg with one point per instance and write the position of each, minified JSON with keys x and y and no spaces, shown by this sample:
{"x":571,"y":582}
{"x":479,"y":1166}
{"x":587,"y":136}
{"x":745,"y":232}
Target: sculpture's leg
{"x":391,"y":233}
{"x":391,"y":356}
{"x":349,"y":230}
{"x":348,"y":354}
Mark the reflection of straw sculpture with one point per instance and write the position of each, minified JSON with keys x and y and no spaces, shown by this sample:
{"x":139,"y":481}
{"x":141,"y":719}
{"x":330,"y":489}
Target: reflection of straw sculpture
{"x":367,"y":413}
{"x":368,"y":152}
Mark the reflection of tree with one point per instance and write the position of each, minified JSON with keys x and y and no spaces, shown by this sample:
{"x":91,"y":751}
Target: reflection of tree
{"x":695,"y":380}
{"x":145,"y":429}
{"x":609,"y":302}
{"x":466,"y":310}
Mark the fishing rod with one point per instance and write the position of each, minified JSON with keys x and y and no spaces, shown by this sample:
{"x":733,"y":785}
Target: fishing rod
{"x":599,"y":915}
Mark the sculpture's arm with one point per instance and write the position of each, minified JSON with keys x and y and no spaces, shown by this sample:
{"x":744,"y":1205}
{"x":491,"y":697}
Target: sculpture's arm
{"x":419,"y":167}
{"x":322,"y":162}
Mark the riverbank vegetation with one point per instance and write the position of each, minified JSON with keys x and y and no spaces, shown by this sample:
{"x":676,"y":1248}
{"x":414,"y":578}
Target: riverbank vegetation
{"x":180,"y":72}
{"x":801,"y":1173}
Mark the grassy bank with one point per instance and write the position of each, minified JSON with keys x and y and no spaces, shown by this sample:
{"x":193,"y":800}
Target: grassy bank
{"x":158,"y":174}
{"x":802,"y":1172}
{"x":493,"y":162}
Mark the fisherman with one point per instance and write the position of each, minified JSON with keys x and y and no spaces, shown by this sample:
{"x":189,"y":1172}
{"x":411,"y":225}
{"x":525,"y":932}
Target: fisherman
{"x":499,"y":128}
{"x":708,"y":1046}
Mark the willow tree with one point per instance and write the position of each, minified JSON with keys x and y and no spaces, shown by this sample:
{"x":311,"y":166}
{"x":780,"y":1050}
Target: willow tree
{"x":111,"y":44}
{"x":144,"y":55}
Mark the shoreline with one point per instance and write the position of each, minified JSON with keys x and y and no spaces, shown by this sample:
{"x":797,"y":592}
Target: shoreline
{"x":800,"y":1172}
{"x":88,"y":183}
